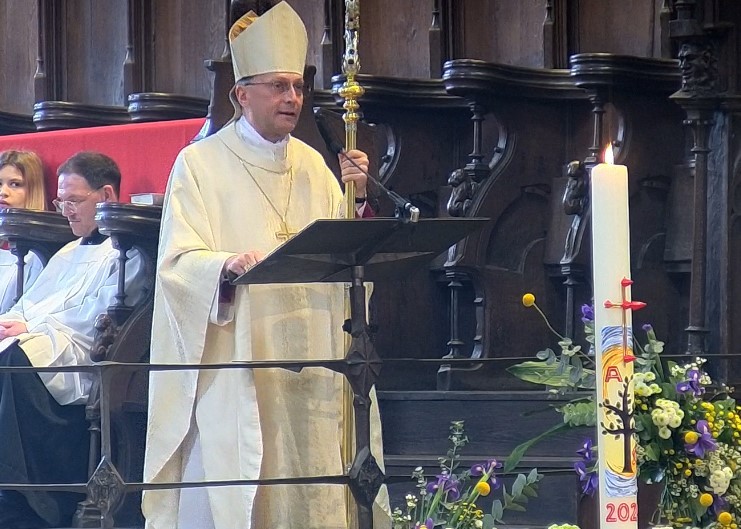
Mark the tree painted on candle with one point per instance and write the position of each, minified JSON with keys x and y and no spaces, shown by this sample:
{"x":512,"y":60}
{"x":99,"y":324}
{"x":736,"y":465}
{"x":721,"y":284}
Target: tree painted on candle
{"x":615,"y":412}
{"x":620,"y":417}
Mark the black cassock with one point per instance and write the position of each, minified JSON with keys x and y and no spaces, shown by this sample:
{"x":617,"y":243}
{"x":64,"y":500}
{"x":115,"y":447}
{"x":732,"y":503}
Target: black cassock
{"x":41,"y":442}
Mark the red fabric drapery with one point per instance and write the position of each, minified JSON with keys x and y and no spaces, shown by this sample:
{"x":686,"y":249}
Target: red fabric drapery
{"x":145,"y":152}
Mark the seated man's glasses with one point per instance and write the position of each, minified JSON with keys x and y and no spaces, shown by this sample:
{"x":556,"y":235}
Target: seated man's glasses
{"x":279,"y":88}
{"x":70,"y":205}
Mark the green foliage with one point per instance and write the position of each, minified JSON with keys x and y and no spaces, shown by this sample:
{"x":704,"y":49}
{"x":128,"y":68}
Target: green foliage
{"x":450,"y":498}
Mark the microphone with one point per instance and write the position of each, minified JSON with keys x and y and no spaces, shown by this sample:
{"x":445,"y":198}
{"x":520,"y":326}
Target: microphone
{"x":404,"y":208}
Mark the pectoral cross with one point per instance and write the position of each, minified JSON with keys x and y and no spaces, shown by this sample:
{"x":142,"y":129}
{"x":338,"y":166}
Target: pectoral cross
{"x":625,"y":305}
{"x":284,"y":233}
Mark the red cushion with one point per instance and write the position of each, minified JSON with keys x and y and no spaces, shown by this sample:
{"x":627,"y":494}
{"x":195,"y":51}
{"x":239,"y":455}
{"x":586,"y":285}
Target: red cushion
{"x":145,"y":152}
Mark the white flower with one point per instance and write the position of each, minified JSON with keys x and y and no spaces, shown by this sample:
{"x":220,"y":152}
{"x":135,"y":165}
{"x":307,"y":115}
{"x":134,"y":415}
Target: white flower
{"x":720,"y":479}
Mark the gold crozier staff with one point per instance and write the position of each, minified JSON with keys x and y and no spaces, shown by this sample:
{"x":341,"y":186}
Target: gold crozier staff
{"x":350,"y":91}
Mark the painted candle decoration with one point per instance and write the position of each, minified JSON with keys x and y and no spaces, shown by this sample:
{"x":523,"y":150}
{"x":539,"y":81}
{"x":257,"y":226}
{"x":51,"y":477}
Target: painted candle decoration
{"x":614,"y":345}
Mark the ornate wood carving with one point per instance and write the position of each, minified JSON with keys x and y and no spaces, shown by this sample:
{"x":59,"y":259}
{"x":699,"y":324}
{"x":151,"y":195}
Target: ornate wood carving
{"x":50,"y":61}
{"x":698,"y":98}
{"x":122,"y":335}
{"x":15,"y":123}
{"x":138,"y":75}
{"x":153,"y":106}
{"x":54,"y":115}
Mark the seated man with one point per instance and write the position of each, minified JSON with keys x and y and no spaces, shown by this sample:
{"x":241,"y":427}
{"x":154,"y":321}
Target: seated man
{"x":43,"y":431}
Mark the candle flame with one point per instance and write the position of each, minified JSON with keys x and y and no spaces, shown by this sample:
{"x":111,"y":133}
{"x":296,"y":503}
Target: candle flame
{"x":609,"y":157}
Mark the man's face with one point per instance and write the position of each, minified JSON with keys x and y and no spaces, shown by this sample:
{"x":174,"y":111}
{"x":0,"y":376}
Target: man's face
{"x":77,"y":200}
{"x":272,"y":103}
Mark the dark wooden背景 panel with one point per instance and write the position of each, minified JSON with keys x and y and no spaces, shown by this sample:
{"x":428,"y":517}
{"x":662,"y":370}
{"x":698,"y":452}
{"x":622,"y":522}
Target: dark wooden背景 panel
{"x":95,"y":49}
{"x":624,"y":27}
{"x":312,"y":13}
{"x":188,"y":32}
{"x":501,"y":31}
{"x":18,"y":45}
{"x":394,"y":41}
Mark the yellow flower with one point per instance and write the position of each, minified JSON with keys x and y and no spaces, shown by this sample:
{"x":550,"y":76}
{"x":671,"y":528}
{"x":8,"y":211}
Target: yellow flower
{"x":691,"y":437}
{"x":483,"y":488}
{"x":688,"y":472}
{"x":528,"y":299}
{"x":725,"y":518}
{"x":706,"y":500}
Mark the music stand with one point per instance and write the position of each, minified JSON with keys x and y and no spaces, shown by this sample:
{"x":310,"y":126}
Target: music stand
{"x":355,"y":251}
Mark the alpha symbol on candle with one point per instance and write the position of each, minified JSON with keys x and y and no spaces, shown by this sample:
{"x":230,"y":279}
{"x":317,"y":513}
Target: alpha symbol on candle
{"x":625,"y":305}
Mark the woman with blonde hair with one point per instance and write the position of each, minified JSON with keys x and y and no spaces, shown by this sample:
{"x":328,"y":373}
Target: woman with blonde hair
{"x":21,"y":186}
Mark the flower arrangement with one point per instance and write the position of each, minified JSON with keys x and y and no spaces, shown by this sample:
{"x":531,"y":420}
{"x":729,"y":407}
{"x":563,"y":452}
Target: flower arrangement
{"x":687,"y":426}
{"x":451,"y":500}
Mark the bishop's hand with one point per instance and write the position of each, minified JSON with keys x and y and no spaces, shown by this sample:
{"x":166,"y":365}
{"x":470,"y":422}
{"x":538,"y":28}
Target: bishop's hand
{"x":12,"y":328}
{"x":350,"y":172}
{"x":238,"y":264}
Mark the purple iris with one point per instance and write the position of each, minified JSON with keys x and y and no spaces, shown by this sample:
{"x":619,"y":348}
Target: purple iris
{"x":429,"y":524}
{"x":647,"y":327}
{"x":479,"y":469}
{"x":589,"y":479}
{"x":587,"y":313}
{"x":448,"y":486}
{"x":692,"y":384}
{"x":586,"y":452}
{"x":719,"y":505}
{"x":704,"y":443}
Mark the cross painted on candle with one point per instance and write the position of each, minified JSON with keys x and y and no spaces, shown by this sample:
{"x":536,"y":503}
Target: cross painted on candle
{"x":613,"y":345}
{"x":625,"y":305}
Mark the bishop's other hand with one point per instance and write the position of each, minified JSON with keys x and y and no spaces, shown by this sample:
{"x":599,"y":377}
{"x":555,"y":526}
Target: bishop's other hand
{"x":11,"y":328}
{"x":238,"y":264}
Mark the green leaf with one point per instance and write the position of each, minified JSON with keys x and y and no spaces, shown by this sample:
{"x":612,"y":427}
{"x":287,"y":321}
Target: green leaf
{"x":580,"y":413}
{"x":544,"y":374}
{"x":497,"y":510}
{"x":530,"y":492}
{"x":518,"y":485}
{"x":489,"y":521}
{"x":516,"y":507}
{"x":519,"y":451}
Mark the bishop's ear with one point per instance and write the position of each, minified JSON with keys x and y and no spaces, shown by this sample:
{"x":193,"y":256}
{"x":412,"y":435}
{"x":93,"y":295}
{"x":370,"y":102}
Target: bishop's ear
{"x":109,"y":194}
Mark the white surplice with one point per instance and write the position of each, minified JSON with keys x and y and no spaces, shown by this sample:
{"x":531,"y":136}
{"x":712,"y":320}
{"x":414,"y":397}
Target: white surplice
{"x":244,"y":424}
{"x":9,"y":275}
{"x":78,"y":283}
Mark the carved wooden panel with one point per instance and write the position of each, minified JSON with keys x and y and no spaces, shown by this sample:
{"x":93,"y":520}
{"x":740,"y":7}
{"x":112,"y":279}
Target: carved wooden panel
{"x":18,"y":38}
{"x":393,"y":40}
{"x":624,"y":27}
{"x":188,"y":32}
{"x":503,"y":31}
{"x":95,"y":50}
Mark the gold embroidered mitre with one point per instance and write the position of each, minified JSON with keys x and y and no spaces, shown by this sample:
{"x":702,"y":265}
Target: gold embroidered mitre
{"x":273,"y":42}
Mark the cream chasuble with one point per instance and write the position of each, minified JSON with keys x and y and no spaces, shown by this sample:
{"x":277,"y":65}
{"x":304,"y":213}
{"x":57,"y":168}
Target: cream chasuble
{"x":227,"y":196}
{"x":79,"y":283}
{"x":9,"y":274}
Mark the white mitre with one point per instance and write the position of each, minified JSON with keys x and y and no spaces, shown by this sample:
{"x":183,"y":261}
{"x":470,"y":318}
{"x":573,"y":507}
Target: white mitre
{"x":273,"y":42}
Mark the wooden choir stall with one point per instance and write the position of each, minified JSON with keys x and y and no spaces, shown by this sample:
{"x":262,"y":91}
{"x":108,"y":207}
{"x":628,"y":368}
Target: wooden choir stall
{"x":493,"y":109}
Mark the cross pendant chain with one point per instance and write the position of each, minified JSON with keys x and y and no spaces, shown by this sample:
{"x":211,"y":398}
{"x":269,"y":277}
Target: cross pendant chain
{"x":284,"y":233}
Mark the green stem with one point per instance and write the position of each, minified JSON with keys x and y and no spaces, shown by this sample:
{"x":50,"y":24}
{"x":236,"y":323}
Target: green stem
{"x":433,"y":505}
{"x":547,"y":322}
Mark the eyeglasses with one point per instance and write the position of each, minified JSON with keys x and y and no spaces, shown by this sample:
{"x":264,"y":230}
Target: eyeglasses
{"x":279,"y":88}
{"x":70,"y":206}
